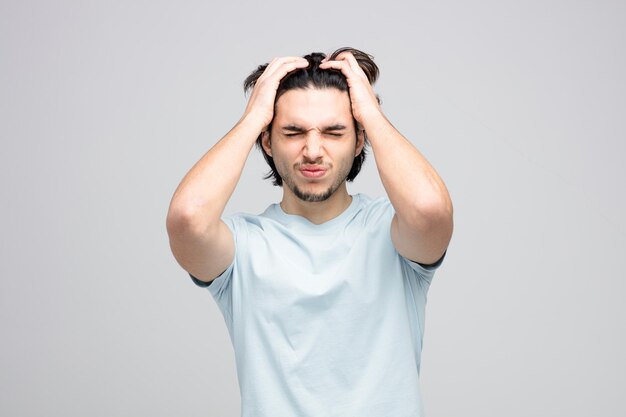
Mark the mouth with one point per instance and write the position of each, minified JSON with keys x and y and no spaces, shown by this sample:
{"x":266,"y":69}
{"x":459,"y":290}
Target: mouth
{"x":312,"y":171}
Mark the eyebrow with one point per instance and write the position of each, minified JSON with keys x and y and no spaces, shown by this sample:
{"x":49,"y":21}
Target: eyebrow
{"x":298,"y":129}
{"x":293,"y":128}
{"x":335,"y":127}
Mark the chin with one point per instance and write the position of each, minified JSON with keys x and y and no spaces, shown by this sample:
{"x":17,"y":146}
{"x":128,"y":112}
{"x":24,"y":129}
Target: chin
{"x":313,"y":192}
{"x":312,"y":197}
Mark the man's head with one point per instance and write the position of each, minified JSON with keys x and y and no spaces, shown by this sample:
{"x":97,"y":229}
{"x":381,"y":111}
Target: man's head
{"x":313,"y":104}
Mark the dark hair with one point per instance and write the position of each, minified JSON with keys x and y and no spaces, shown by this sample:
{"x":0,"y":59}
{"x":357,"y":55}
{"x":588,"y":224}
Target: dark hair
{"x":313,"y":76}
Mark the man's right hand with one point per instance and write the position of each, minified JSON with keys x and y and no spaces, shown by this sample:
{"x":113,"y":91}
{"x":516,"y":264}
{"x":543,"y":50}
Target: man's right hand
{"x":261,"y":104}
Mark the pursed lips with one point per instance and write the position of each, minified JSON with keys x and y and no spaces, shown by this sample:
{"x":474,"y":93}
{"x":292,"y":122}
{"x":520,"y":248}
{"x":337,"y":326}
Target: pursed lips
{"x":312,"y":171}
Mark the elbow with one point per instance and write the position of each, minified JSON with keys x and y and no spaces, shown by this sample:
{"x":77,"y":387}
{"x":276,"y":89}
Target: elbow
{"x":177,"y":222}
{"x":183,"y":221}
{"x":432,"y":214}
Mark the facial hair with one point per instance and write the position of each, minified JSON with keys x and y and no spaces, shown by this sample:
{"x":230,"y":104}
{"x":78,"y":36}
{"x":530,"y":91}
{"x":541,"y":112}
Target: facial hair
{"x":316,"y":197}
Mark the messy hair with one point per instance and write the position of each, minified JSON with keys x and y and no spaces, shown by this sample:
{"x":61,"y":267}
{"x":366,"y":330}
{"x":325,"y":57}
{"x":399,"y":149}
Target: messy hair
{"x":314,"y":76}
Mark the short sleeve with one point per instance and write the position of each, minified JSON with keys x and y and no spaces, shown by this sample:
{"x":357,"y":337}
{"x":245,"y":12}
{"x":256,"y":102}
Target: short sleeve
{"x":425,"y":271}
{"x":381,"y":211}
{"x":200,"y":283}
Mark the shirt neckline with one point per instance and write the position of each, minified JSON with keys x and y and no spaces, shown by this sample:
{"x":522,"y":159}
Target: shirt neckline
{"x":296,"y":221}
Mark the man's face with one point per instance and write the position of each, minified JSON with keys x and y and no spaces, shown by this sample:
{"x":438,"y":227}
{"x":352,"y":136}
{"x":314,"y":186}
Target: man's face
{"x":313,"y":141}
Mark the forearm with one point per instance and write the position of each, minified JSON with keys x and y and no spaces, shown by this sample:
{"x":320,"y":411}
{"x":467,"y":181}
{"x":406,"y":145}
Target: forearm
{"x":202,"y":195}
{"x":415,"y":190}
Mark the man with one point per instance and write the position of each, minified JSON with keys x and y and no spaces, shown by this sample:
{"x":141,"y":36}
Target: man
{"x":323,"y":294}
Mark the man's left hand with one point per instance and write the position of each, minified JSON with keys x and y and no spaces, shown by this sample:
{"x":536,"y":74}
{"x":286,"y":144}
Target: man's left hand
{"x":362,"y":96}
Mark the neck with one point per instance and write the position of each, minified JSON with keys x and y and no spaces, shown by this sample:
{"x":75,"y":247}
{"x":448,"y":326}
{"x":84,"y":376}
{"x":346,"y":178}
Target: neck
{"x":317,"y":212}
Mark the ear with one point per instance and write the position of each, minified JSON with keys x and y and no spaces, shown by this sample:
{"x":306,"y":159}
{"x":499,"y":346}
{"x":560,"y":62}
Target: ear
{"x":360,"y":141}
{"x":266,"y":143}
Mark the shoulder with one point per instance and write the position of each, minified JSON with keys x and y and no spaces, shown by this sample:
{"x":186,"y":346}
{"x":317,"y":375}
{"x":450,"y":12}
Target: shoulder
{"x":248,"y":228}
{"x":239,"y":221}
{"x":375,"y":209}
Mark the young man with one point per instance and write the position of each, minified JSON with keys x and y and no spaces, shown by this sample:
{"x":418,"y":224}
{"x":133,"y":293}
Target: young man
{"x":323,"y":294}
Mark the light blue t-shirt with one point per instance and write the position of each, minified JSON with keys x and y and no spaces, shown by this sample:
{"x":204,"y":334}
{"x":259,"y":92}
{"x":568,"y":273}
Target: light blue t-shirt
{"x":326,"y":320}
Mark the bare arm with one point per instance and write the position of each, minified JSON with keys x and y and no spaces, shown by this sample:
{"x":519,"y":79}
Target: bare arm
{"x":201,"y":243}
{"x":422,"y":226}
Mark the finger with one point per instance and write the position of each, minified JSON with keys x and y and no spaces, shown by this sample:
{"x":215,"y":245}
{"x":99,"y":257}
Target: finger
{"x":354,"y":64}
{"x":280,"y":60}
{"x":343,"y":56}
{"x":277,"y":63}
{"x":285,"y":69}
{"x":342,"y":65}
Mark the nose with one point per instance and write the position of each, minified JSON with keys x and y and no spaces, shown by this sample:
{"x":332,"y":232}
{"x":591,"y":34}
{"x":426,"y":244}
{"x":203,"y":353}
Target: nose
{"x":313,"y":146}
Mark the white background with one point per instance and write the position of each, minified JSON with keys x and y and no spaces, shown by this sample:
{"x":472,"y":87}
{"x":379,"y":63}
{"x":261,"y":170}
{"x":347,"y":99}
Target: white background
{"x":105,"y":105}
